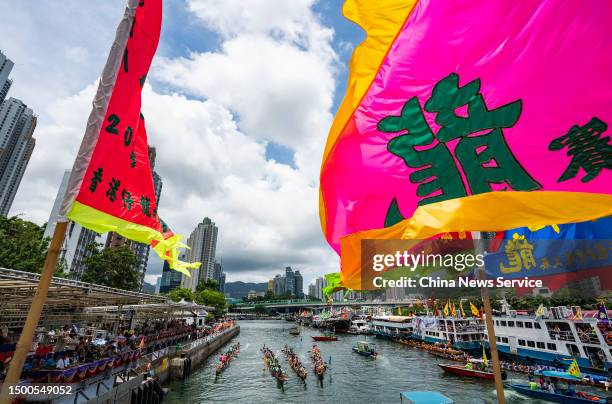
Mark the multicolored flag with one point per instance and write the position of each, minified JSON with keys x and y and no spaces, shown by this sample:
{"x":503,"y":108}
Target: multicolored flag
{"x":474,"y":310}
{"x":446,"y":309}
{"x":453,"y":311}
{"x":602,"y":313}
{"x":484,"y":356}
{"x":578,"y":315}
{"x":111,"y":184}
{"x":574,"y":369}
{"x":540,"y":312}
{"x":454,"y":121}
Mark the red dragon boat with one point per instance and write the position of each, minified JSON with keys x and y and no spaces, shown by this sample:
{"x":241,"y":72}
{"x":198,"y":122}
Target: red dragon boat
{"x":463,"y":371}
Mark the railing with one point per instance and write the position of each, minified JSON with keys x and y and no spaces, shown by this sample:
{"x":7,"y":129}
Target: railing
{"x":562,"y":335}
{"x":206,"y":339}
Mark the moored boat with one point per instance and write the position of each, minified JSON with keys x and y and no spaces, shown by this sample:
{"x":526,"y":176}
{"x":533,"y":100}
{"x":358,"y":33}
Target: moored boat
{"x":294,"y":330}
{"x":462,"y":370}
{"x":555,"y":397}
{"x":551,"y":391}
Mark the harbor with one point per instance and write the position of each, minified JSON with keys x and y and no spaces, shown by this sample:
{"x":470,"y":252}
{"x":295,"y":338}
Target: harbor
{"x":349,"y":377}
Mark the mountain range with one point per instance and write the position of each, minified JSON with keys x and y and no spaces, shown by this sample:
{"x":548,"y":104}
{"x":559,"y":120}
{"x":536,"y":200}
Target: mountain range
{"x":240,"y":289}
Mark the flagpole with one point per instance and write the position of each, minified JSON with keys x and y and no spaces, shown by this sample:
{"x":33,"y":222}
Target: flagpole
{"x":27,"y":334}
{"x":486,"y":302}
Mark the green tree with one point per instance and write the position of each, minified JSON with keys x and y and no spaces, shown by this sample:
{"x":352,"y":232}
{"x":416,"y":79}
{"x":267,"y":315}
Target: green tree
{"x":207,"y":284}
{"x":22,"y":246}
{"x":213,"y":298}
{"x":114,"y":267}
{"x":176,"y":295}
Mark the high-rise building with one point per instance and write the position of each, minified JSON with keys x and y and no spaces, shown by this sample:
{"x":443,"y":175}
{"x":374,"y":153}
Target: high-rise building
{"x":289,"y":281}
{"x":170,"y":279}
{"x":271,"y":285}
{"x":279,"y":285}
{"x":222,"y":283}
{"x":17,"y":124}
{"x":77,"y":239}
{"x":312,"y":290}
{"x":218,"y":270}
{"x":6,"y":65}
{"x":141,"y":250}
{"x":320,"y":283}
{"x":298,"y":285}
{"x":203,"y":245}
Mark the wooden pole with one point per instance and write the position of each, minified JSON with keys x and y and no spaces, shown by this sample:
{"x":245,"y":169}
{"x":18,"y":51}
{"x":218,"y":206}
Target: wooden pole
{"x":27,"y":334}
{"x":486,"y":302}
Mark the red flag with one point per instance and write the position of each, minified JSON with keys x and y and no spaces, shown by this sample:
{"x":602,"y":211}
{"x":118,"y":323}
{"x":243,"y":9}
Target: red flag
{"x":111,"y":184}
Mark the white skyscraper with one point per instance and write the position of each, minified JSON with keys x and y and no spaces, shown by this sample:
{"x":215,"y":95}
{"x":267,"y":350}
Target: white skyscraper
{"x":203,"y":244}
{"x":6,"y":65}
{"x":17,"y":124}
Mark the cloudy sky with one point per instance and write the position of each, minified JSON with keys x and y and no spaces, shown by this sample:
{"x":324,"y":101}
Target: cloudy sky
{"x":238,"y":103}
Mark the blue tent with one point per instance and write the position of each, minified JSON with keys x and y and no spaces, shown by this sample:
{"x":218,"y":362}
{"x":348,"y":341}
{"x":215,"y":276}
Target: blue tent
{"x":424,"y":397}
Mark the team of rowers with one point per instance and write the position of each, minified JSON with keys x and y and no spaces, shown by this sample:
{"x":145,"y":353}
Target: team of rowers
{"x":295,"y":363}
{"x":318,"y":364}
{"x":273,"y":364}
{"x":226,"y":358}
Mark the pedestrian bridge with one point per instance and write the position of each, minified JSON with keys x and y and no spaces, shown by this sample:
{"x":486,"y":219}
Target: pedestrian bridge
{"x":314,"y":304}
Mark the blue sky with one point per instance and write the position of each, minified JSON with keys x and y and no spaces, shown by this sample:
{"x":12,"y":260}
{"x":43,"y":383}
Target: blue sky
{"x":183,"y":34}
{"x":239,"y":102}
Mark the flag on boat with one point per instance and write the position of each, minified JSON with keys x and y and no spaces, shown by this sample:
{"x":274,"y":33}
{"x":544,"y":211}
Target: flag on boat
{"x":453,"y":311}
{"x":435,"y":122}
{"x":540,"y":312}
{"x":578,"y":314}
{"x":461,"y":309}
{"x":446,"y":309}
{"x":142,"y":343}
{"x":436,"y":311}
{"x":602,"y":312}
{"x":484,"y":356}
{"x":574,"y":370}
{"x":474,"y":310}
{"x":111,"y":183}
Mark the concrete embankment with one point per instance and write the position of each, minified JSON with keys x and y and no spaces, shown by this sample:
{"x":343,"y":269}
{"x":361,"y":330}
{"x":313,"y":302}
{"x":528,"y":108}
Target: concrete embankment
{"x":167,"y":364}
{"x":191,"y":356}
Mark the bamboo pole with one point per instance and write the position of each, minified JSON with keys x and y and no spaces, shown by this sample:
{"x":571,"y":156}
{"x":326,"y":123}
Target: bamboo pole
{"x":38,"y":301}
{"x":486,"y":302}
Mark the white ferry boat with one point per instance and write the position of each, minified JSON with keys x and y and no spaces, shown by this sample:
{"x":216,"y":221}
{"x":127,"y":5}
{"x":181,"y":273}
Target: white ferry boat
{"x":395,"y":327}
{"x":555,"y":340}
{"x":462,"y":333}
{"x":360,"y":325}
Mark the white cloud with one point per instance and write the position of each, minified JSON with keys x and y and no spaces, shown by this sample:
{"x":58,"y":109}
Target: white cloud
{"x":271,"y":80}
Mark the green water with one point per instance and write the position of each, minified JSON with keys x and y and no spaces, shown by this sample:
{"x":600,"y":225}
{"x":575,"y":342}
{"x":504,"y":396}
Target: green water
{"x":350,"y":379}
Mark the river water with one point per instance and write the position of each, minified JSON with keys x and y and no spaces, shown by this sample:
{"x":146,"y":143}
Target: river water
{"x":350,"y":379}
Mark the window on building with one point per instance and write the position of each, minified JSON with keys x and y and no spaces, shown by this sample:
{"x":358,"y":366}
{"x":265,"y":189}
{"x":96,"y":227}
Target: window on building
{"x":551,"y":346}
{"x":528,"y":325}
{"x":537,"y":325}
{"x":521,"y":342}
{"x":503,"y":323}
{"x":505,"y":340}
{"x":540,"y":345}
{"x":531,"y":344}
{"x":510,"y":323}
{"x":519,"y":324}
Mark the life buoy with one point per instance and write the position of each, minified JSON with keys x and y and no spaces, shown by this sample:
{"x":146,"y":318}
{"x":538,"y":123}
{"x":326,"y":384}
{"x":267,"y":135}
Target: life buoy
{"x":609,"y":338}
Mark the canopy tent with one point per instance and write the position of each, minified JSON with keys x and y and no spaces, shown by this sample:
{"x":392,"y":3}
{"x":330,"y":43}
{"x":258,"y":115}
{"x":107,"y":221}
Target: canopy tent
{"x":73,"y":301}
{"x":424,"y":397}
